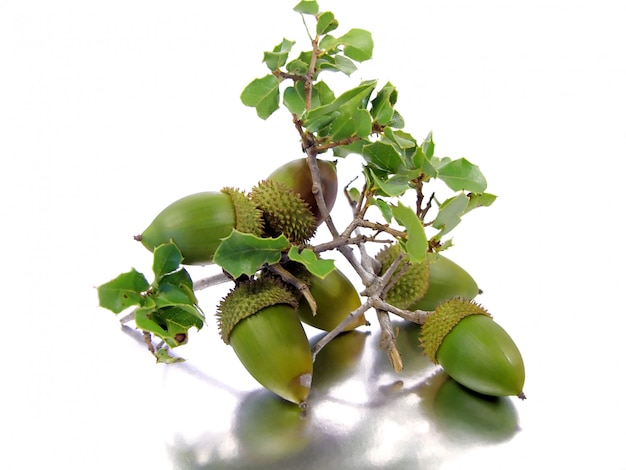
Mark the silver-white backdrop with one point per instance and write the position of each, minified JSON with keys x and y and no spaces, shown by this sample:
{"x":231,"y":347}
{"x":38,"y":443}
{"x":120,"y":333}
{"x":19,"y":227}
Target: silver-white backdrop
{"x":111,"y":110}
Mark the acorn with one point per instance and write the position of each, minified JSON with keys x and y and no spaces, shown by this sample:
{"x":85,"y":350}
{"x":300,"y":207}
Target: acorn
{"x":335,"y":297}
{"x":284,"y":212}
{"x":296,"y":175}
{"x":197,"y":223}
{"x":425,"y":285}
{"x":473,"y":349}
{"x":258,"y":319}
{"x":446,"y":280}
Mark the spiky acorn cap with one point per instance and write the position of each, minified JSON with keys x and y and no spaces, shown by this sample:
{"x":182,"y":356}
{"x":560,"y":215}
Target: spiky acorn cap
{"x":445,"y":317}
{"x":413,"y":284}
{"x":248,"y":298}
{"x":284,"y":211}
{"x":248,"y":218}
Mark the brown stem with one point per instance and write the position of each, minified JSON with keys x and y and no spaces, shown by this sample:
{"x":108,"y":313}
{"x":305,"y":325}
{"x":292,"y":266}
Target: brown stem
{"x":388,"y":340}
{"x":292,"y":280}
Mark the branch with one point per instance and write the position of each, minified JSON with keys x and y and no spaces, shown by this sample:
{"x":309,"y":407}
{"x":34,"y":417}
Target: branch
{"x":388,"y":340}
{"x":292,"y":280}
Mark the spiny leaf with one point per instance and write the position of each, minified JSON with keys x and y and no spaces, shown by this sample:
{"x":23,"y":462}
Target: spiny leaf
{"x":123,"y":291}
{"x":167,"y":259}
{"x":278,"y":56}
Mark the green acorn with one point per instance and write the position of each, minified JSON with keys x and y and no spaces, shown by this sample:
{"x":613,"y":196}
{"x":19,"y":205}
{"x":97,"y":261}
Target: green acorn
{"x":258,"y":319}
{"x":425,"y":285}
{"x":198,"y":222}
{"x":335,"y":297}
{"x":283,"y":211}
{"x":446,"y":280}
{"x":473,"y":349}
{"x":296,"y":175}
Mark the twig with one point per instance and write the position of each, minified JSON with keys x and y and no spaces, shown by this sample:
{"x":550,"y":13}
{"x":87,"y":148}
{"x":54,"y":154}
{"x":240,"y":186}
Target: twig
{"x":328,"y":337}
{"x":388,"y":340}
{"x":292,"y":280}
{"x":211,"y":281}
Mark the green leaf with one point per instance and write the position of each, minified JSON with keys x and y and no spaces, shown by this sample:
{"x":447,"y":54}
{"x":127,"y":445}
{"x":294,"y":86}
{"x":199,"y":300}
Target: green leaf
{"x":243,"y":253}
{"x":278,"y":56}
{"x":383,"y":156}
{"x":382,"y":106}
{"x":326,"y":23}
{"x":167,"y":259}
{"x":358,"y":44}
{"x":343,"y":151}
{"x":383,"y":185}
{"x":262,"y":94}
{"x":169,"y":295}
{"x":480,"y":200}
{"x":428,"y":146}
{"x":416,"y":243}
{"x":307,"y":257}
{"x":338,"y":63}
{"x":293,"y":101}
{"x":449,"y":214}
{"x":307,"y":7}
{"x":178,"y":318}
{"x":123,"y":291}
{"x":351,"y":122}
{"x":462,"y":175}
{"x":356,"y":94}
{"x":385,"y":209}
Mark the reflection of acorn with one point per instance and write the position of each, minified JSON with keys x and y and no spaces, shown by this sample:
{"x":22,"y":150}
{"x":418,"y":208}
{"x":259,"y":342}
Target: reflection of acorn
{"x":269,"y":428}
{"x":473,"y":349}
{"x":338,"y":359}
{"x":258,"y":319}
{"x":462,"y":412}
{"x":197,"y":223}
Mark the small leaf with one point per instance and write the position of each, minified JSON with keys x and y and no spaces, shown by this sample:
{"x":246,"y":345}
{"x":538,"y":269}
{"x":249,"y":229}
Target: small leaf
{"x":385,"y":209}
{"x":391,"y":187}
{"x":382,"y":106}
{"x":123,"y":291}
{"x":307,"y":7}
{"x":450,"y":212}
{"x":163,"y":356}
{"x":480,"y":200}
{"x":167,"y":259}
{"x":462,"y":175}
{"x":356,"y":94}
{"x":326,"y":23}
{"x":358,"y":44}
{"x":278,"y":56}
{"x":262,"y":94}
{"x":428,"y":146}
{"x":169,"y":295}
{"x":243,"y":253}
{"x":319,"y":267}
{"x":416,"y":243}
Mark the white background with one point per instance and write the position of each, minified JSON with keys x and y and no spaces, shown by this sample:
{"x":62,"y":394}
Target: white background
{"x":111,"y":110}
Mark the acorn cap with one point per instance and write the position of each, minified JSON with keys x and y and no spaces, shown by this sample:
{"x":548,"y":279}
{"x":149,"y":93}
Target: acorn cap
{"x":248,"y":218}
{"x":284,"y":211}
{"x":445,"y":317}
{"x":413,"y":284}
{"x":248,"y":298}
